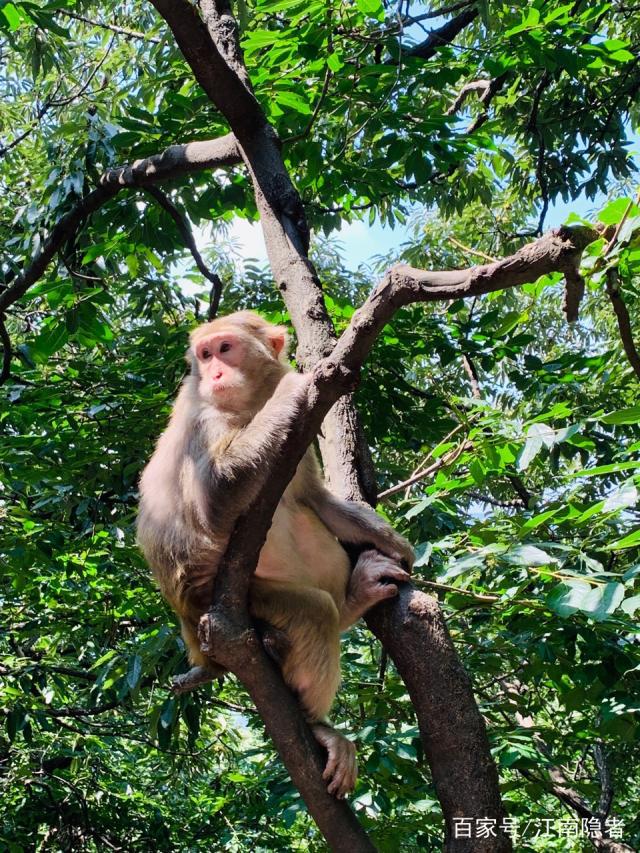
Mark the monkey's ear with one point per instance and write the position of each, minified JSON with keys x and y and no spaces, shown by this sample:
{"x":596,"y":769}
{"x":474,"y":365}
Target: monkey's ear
{"x":277,"y":337}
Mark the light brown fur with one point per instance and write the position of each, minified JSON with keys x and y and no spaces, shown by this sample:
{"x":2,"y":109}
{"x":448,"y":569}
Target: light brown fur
{"x":228,"y":420}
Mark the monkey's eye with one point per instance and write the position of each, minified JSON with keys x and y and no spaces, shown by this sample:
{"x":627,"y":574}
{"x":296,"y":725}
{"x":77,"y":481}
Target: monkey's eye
{"x":205,"y":355}
{"x":225,"y":346}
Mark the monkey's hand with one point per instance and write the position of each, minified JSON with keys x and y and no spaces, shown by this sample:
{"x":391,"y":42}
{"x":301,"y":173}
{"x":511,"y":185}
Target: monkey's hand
{"x":293,"y":383}
{"x":342,"y":768}
{"x":372,"y":580}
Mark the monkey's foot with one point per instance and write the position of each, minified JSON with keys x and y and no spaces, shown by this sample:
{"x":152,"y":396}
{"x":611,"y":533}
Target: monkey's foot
{"x":196,"y":676}
{"x":374,"y":578}
{"x":276,"y":642}
{"x":342,"y":768}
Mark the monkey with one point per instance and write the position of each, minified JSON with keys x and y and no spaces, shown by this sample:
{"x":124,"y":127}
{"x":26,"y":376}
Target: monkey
{"x":228,"y":420}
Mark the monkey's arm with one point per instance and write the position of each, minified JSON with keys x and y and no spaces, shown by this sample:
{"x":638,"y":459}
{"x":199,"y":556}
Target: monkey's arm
{"x":356,"y":523}
{"x":374,"y":578}
{"x":239,"y":460}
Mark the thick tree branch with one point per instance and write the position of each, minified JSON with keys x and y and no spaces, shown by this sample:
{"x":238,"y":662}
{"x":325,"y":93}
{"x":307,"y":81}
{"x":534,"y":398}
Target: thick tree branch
{"x":176,"y":161}
{"x":556,"y":251}
{"x":187,"y":235}
{"x":413,"y":615}
{"x":558,"y":785}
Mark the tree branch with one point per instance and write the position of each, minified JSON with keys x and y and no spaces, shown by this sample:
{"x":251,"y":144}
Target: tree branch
{"x":447,"y":459}
{"x":124,"y":31}
{"x":624,"y":321}
{"x":187,"y":236}
{"x":402,"y":285}
{"x":6,"y":351}
{"x":175,"y":161}
{"x":444,"y":35}
{"x":474,"y":86}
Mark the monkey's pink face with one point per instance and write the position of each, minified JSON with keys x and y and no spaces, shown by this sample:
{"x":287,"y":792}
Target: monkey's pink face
{"x":220,"y":359}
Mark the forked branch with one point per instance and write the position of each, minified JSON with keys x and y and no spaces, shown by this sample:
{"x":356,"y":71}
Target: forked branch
{"x":175,"y":161}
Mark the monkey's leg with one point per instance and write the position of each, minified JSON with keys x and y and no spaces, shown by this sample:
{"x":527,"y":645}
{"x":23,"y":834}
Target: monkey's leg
{"x":311,"y":666}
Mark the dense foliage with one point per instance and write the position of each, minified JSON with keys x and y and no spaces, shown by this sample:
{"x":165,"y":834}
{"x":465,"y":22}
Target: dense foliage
{"x":526,"y":527}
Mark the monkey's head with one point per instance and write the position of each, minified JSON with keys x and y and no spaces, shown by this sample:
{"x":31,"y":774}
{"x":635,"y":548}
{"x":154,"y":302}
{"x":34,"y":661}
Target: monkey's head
{"x":237,"y":361}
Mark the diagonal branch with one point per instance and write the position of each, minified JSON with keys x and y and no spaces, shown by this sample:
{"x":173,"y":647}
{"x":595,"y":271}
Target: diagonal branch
{"x":624,"y":321}
{"x":555,"y":252}
{"x":401,"y":626}
{"x":444,"y":35}
{"x":187,"y":235}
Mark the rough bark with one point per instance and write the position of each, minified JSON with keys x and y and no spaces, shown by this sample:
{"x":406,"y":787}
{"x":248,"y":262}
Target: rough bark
{"x":452,"y":731}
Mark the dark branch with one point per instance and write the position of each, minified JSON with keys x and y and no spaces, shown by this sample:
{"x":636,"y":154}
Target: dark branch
{"x":6,"y":351}
{"x":444,"y":35}
{"x":624,"y":321}
{"x":573,"y":293}
{"x":187,"y":236}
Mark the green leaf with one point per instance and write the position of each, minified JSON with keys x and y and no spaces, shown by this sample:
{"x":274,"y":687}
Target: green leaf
{"x":372,"y":8}
{"x":622,"y":416}
{"x":134,"y":671}
{"x":49,"y":341}
{"x":568,"y":597}
{"x":631,"y":605}
{"x":295,"y":101}
{"x":603,"y":600}
{"x":630,"y":541}
{"x":13,"y":16}
{"x":528,"y":555}
{"x":612,"y":214}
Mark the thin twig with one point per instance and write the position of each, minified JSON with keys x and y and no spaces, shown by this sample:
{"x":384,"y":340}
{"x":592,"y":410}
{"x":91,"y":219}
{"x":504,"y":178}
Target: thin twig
{"x":124,"y":31}
{"x":447,"y":459}
{"x":472,"y":373}
{"x":616,"y":233}
{"x":471,"y":251}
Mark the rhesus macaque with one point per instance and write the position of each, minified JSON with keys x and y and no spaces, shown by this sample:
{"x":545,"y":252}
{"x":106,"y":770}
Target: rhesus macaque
{"x":228,"y":421}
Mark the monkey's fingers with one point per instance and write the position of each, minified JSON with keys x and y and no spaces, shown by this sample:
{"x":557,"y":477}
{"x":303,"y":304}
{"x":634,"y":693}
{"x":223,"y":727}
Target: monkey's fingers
{"x":341,"y":769}
{"x":392,"y":572}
